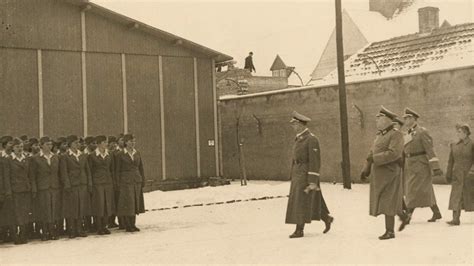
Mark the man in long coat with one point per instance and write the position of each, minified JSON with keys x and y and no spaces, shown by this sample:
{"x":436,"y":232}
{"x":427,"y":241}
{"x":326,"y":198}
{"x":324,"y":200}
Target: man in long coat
{"x":461,"y":160}
{"x":421,"y":164}
{"x":306,"y":202}
{"x":386,"y":183}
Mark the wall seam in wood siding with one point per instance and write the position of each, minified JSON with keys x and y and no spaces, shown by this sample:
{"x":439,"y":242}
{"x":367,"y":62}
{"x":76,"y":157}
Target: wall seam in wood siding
{"x":214,"y":99}
{"x":84,"y":73}
{"x":196,"y":113}
{"x":40,"y":93}
{"x":124,"y":91}
{"x":162,"y":119}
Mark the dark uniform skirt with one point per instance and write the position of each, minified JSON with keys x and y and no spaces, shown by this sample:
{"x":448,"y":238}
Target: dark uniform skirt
{"x":103,"y":201}
{"x":49,"y":206}
{"x":22,"y":207}
{"x":7,"y":217}
{"x":131,"y":200}
{"x":76,"y":203}
{"x":303,"y":208}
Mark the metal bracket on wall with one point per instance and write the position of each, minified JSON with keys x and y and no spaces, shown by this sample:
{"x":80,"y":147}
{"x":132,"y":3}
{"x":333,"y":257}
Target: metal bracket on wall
{"x":361,"y":115}
{"x":259,"y":124}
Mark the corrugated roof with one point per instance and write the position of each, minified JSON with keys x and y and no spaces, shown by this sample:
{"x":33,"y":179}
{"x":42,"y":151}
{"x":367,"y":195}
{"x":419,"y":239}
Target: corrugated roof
{"x":444,"y":48}
{"x":219,"y":57}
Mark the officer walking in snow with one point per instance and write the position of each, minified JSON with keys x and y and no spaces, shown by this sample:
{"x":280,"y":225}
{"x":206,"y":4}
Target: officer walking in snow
{"x":306,"y":202}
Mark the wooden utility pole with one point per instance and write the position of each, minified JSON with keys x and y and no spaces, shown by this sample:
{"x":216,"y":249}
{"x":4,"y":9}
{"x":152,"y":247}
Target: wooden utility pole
{"x":346,"y":163}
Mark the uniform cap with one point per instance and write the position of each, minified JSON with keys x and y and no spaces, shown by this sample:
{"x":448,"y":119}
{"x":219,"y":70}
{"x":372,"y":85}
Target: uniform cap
{"x":100,"y":139}
{"x":295,"y":116}
{"x":464,"y":127}
{"x":24,"y":138}
{"x":410,"y":113}
{"x":61,"y":140}
{"x":385,"y":112}
{"x":6,"y":139}
{"x":88,"y":140}
{"x":128,"y":137}
{"x":71,"y":139}
{"x":398,"y":120}
{"x":17,"y":141}
{"x":44,"y":140}
{"x":34,"y":141}
{"x":112,"y":139}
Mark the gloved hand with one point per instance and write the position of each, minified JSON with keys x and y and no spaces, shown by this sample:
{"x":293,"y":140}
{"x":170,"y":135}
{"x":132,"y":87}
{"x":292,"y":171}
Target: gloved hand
{"x":370,"y":159}
{"x":312,"y":186}
{"x":449,"y":179}
{"x":437,"y":172}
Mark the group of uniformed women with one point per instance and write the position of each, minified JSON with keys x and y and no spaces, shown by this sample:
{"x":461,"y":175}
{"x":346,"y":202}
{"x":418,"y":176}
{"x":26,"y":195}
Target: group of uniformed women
{"x":69,"y":186}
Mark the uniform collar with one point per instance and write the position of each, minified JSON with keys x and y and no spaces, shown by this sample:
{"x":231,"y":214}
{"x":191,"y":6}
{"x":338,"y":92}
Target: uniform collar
{"x":45,"y":156}
{"x":103,"y":155}
{"x":412,"y":129}
{"x":302,"y":133}
{"x":5,"y":154}
{"x":465,"y":141}
{"x":386,"y":130}
{"x":20,"y":159}
{"x":70,"y":152}
{"x":130,"y":152}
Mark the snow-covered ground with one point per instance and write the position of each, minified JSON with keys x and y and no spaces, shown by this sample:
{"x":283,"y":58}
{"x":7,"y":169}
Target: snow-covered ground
{"x":254,"y":232}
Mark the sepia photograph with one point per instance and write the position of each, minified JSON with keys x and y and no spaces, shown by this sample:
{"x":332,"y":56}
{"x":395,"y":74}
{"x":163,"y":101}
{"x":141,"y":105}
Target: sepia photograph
{"x":236,"y":132}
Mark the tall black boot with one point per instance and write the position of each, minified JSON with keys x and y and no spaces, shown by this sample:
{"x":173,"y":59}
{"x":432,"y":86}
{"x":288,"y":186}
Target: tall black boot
{"x":128,"y":223}
{"x":389,"y":228}
{"x":404,"y":218}
{"x":436,"y":214}
{"x":99,"y":224}
{"x":456,"y":218}
{"x":134,"y":222}
{"x":299,"y":232}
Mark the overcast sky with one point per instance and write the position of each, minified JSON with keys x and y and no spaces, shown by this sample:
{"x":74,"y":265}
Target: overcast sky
{"x":296,"y":30}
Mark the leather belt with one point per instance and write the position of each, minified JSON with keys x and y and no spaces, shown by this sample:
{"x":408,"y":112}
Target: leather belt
{"x":408,"y":155}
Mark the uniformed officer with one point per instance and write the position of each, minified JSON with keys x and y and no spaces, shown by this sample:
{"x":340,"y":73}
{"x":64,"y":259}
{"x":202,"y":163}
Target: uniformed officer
{"x":131,"y":180}
{"x":386,"y":183}
{"x":77,"y":187}
{"x":20,"y":191}
{"x":461,"y":159}
{"x":90,"y":145}
{"x":101,"y":163}
{"x":306,"y":202}
{"x":421,"y":164}
{"x":44,"y":173}
{"x":6,"y":217}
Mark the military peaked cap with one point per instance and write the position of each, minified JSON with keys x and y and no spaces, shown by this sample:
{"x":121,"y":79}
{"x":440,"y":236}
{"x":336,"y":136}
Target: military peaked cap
{"x":385,"y":112}
{"x":409,"y":112}
{"x":295,"y":116}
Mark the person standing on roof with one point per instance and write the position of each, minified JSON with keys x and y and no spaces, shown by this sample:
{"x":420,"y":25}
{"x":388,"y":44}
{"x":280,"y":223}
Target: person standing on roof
{"x":249,"y":63}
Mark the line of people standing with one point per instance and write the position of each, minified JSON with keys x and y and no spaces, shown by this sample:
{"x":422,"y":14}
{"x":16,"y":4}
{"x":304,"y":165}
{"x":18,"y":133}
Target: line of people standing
{"x":68,"y":187}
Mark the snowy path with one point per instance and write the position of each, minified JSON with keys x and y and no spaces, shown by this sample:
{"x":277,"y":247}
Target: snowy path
{"x":254,"y":232}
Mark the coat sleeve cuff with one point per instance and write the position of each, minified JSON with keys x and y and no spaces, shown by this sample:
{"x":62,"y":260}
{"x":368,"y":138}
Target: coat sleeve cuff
{"x":313,"y":177}
{"x":434,"y":163}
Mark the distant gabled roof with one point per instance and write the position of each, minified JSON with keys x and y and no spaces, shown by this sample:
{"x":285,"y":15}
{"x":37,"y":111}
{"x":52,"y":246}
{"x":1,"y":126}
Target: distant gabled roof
{"x":219,"y":57}
{"x":278,"y":64}
{"x":443,"y":48}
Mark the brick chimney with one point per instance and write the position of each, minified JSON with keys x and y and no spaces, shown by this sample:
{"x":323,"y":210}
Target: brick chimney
{"x":428,"y":19}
